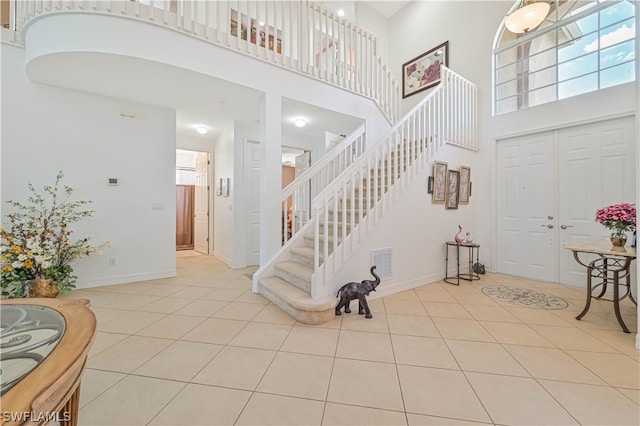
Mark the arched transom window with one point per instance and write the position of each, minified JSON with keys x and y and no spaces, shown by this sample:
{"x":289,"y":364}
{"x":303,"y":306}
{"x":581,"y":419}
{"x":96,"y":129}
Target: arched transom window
{"x":581,"y":46}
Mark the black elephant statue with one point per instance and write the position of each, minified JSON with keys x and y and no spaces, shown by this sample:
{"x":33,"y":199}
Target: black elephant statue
{"x":354,"y":290}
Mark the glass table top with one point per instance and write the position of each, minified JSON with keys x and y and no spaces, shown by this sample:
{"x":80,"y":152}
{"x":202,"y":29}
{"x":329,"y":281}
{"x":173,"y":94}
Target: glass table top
{"x":28,"y":334}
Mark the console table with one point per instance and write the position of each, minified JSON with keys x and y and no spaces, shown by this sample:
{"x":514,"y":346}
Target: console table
{"x":45,"y":343}
{"x":474,"y":249}
{"x":612,"y":266}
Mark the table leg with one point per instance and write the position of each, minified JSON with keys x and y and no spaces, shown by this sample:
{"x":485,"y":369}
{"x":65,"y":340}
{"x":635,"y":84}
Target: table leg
{"x":458,"y":258}
{"x":70,"y":409}
{"x":605,"y":279}
{"x":629,"y":288}
{"x":616,"y":301}
{"x":588,"y":303}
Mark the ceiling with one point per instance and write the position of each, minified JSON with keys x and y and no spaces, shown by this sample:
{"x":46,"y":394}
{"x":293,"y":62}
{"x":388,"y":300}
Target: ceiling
{"x":386,"y":8}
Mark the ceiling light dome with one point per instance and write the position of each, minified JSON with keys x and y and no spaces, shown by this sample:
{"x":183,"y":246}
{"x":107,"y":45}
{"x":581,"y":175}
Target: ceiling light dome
{"x":300,"y":122}
{"x":526,"y":17}
{"x":202,"y":130}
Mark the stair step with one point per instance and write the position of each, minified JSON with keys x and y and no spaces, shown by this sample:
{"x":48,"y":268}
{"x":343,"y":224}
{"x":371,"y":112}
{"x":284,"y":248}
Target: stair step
{"x":304,"y":255}
{"x":295,"y":273}
{"x":297,"y":303}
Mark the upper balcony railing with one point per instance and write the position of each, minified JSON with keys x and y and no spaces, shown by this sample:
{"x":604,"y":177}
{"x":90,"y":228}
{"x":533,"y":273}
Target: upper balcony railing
{"x":297,"y":35}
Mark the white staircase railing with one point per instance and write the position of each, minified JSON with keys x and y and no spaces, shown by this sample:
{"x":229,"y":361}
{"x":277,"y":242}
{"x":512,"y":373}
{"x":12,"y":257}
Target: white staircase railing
{"x":297,"y":35}
{"x":348,"y":208}
{"x":295,"y":200}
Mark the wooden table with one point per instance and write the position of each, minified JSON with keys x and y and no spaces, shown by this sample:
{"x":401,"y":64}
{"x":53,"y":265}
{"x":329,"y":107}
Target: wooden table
{"x":610,"y":267}
{"x":51,"y":390}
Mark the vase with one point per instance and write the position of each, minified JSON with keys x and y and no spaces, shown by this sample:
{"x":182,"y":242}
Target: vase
{"x":43,"y":287}
{"x":618,"y":240}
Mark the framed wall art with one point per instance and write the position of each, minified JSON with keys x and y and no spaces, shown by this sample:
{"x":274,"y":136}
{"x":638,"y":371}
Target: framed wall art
{"x":453,"y":187}
{"x":423,"y":71}
{"x":465,"y":184}
{"x":439,"y":189}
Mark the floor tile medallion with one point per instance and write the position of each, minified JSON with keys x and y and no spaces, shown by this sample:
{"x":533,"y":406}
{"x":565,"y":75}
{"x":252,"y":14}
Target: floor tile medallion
{"x":524,"y":297}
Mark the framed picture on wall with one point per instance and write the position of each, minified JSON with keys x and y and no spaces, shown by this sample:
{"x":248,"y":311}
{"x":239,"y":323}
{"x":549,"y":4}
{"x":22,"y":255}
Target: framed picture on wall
{"x":439,"y":190}
{"x":453,"y":187}
{"x":423,"y":72}
{"x":465,"y":184}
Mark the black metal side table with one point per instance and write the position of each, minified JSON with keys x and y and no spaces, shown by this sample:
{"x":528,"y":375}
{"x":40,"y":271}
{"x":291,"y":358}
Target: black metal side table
{"x":474,"y":249}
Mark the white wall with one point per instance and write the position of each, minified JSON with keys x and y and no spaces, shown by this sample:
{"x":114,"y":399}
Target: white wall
{"x":224,"y":239}
{"x":376,"y":24}
{"x":470,"y":27}
{"x":46,"y":129}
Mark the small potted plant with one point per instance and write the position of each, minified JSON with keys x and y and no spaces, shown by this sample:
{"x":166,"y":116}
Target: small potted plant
{"x":36,"y":248}
{"x":619,"y":218}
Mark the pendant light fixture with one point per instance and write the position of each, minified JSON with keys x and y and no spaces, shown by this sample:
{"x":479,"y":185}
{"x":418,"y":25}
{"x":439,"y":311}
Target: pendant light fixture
{"x":527,"y":17}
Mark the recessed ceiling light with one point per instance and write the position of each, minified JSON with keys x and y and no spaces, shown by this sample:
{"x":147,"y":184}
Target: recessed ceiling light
{"x":202,"y":130}
{"x":300,"y":122}
{"x":340,"y":12}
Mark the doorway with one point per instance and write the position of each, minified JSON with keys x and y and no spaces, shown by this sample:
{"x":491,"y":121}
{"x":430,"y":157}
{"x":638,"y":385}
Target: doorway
{"x":192,"y":201}
{"x":549,"y":186}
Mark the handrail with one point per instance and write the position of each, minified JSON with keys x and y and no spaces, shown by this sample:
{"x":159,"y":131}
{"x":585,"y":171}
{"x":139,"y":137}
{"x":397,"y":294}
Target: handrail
{"x":300,"y":36}
{"x":297,"y":196}
{"x":349,"y":207}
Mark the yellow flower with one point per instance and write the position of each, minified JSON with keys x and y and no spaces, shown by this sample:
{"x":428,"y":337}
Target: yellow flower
{"x":16,"y":248}
{"x":28,"y":263}
{"x":7,"y":268}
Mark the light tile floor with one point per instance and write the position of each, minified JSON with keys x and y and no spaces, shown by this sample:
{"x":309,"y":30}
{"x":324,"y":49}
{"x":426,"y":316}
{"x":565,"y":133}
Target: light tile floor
{"x":201,"y":349}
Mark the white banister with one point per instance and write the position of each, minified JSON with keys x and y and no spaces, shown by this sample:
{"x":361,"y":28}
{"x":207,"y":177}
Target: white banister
{"x":295,"y":199}
{"x":361,"y":194}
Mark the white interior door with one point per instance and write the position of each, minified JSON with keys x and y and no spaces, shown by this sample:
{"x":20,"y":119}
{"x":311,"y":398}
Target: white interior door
{"x":594,"y":168}
{"x":526,"y":207}
{"x":201,"y":204}
{"x":252,"y":179}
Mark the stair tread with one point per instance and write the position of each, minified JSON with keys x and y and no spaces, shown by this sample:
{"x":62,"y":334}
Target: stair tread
{"x":295,"y":297}
{"x":295,"y":268}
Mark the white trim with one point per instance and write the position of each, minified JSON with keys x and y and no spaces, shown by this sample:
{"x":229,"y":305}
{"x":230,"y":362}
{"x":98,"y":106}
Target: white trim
{"x":126,"y":279}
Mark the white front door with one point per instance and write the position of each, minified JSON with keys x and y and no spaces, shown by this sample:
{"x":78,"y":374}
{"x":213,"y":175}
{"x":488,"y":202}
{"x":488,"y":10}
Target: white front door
{"x":526,"y":207}
{"x":201,"y":204}
{"x":252,"y":179}
{"x":594,"y":168}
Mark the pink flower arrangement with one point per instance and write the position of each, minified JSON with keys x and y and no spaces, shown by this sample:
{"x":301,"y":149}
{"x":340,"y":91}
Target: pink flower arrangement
{"x":618,"y":217}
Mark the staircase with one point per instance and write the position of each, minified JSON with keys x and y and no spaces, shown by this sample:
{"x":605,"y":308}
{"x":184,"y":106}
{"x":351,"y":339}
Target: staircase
{"x":348,"y":208}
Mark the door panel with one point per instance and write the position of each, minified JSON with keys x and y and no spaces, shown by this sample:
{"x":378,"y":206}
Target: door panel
{"x":596,"y":169}
{"x":526,"y":198}
{"x":201,"y":221}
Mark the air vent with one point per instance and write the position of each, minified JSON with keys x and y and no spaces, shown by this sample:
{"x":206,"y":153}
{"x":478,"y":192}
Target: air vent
{"x":381,"y":258}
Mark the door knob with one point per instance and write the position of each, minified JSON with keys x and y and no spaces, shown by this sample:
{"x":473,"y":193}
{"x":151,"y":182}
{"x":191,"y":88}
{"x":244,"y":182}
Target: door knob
{"x":566,"y":226}
{"x":550,"y":226}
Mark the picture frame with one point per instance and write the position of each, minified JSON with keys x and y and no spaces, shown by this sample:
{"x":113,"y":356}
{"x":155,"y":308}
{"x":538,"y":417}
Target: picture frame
{"x":423,"y":71}
{"x":430,"y":185}
{"x":465,"y":185}
{"x":439,"y":194}
{"x":453,"y":189}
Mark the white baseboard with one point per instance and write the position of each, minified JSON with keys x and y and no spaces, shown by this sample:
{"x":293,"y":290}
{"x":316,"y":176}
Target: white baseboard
{"x":124,"y":279}
{"x":386,"y":290}
{"x":230,"y":263}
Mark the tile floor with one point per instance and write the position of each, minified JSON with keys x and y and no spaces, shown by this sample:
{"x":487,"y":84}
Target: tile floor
{"x":201,"y":349}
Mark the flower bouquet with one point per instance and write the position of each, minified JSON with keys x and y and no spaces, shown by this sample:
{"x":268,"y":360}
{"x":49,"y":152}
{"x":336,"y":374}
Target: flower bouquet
{"x":37,"y":244}
{"x":619,"y":218}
